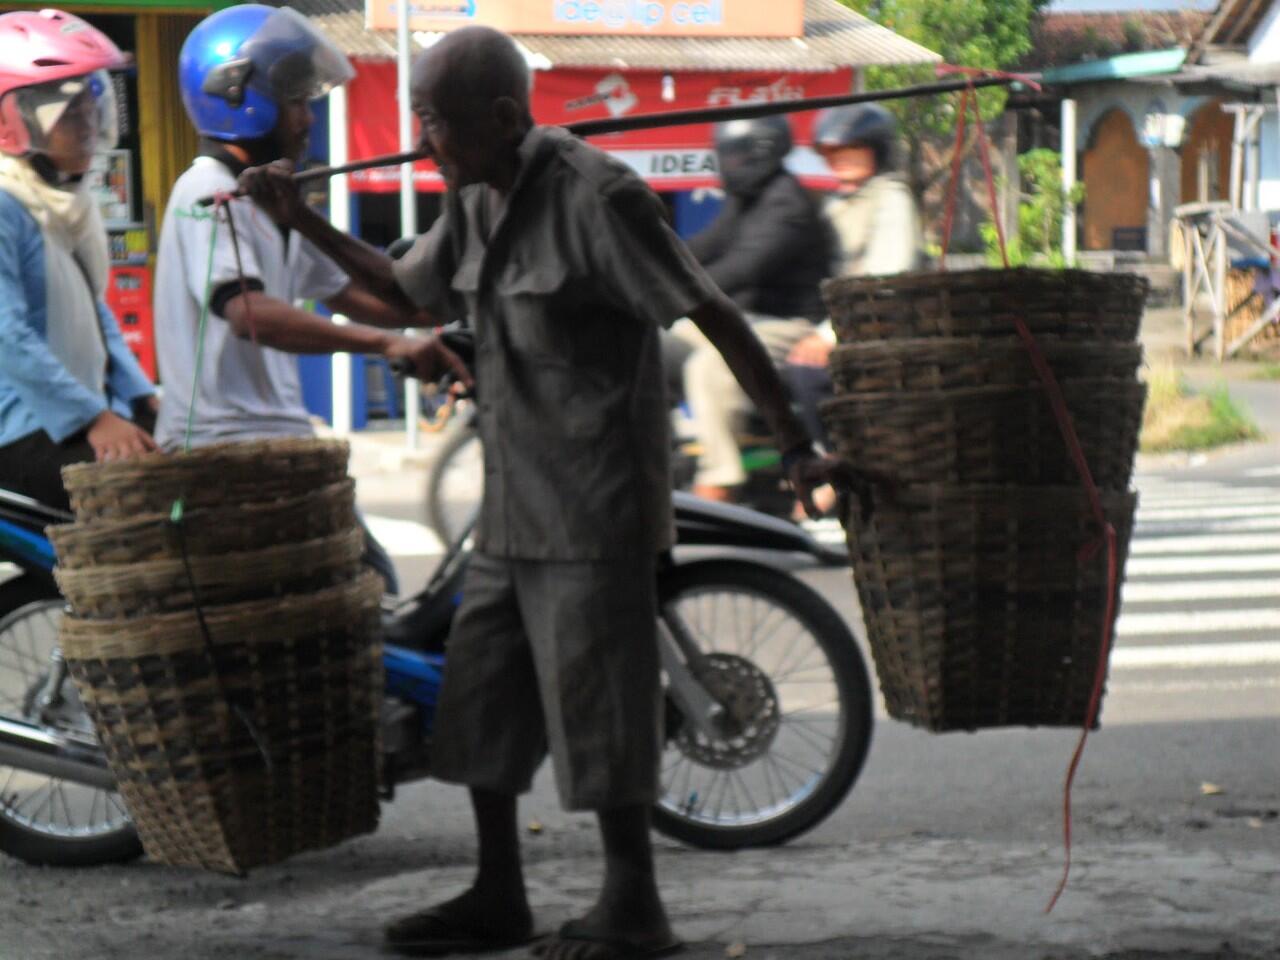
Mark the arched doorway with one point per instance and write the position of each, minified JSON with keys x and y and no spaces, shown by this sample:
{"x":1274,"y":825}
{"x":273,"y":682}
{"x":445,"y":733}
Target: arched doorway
{"x":1206,"y":154}
{"x":1115,"y":186}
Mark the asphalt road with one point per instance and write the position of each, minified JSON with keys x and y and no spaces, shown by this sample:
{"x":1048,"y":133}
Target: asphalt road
{"x":948,"y":847}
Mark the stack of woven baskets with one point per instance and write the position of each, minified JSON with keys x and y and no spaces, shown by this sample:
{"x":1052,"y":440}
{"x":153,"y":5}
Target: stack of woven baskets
{"x":227,"y":648}
{"x":979,"y":610}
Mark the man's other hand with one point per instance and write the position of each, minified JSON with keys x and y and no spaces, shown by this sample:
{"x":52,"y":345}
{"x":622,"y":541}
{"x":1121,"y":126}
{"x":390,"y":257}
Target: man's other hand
{"x":809,"y":470}
{"x":115,"y":438}
{"x":428,"y":358}
{"x":272,"y":188}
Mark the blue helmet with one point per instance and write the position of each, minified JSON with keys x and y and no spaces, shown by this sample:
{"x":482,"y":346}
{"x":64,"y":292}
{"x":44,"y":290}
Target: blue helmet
{"x":240,"y":63}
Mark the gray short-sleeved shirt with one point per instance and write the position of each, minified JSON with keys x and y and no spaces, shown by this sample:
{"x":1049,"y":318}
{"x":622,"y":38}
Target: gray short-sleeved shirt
{"x":566,"y":297}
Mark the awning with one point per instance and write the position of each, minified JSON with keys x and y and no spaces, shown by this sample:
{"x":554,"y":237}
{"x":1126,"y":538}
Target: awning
{"x":670,"y":158}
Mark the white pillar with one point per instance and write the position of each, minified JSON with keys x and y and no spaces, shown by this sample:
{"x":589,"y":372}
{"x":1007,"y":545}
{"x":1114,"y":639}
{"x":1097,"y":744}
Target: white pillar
{"x":340,"y":217}
{"x":408,"y":196}
{"x":1069,"y":179}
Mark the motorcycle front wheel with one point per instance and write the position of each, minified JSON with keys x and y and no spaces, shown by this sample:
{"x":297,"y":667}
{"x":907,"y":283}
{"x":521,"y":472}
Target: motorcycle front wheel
{"x":796,"y":699}
{"x":43,"y":819}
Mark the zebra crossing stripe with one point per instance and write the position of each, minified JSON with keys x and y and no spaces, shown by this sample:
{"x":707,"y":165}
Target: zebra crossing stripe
{"x":1144,"y":591}
{"x":1196,"y":655}
{"x":1197,"y":565}
{"x":1197,"y":621}
{"x":1206,"y":543}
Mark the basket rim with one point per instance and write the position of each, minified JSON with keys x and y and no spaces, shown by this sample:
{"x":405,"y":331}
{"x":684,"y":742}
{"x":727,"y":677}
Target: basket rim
{"x":227,"y":454}
{"x":1100,"y":387}
{"x":998,"y":278}
{"x":307,"y":614}
{"x":85,"y":531}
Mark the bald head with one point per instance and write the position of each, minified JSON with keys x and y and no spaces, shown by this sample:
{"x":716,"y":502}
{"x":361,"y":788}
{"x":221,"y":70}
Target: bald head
{"x":471,"y":93}
{"x":470,"y":70}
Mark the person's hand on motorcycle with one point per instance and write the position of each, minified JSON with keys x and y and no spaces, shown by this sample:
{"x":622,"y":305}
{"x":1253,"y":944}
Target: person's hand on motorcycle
{"x":272,"y":188}
{"x":813,"y":351}
{"x":426,"y":358}
{"x":114,"y":438}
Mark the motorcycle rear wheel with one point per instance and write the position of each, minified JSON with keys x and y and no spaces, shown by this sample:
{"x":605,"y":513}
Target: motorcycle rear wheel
{"x":797,"y":692}
{"x":45,"y":820}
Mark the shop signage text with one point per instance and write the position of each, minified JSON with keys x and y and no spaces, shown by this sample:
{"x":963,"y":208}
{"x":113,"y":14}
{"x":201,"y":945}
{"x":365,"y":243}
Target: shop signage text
{"x":672,"y":18}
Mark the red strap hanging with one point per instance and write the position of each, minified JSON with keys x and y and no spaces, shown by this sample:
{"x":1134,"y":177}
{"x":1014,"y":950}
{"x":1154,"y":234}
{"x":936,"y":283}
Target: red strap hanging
{"x":1053,"y":391}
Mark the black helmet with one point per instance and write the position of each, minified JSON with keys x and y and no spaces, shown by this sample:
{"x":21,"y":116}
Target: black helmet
{"x":750,"y":152}
{"x":858,"y":125}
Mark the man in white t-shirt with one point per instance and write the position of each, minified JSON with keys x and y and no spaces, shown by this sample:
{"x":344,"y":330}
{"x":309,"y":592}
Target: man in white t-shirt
{"x":248,"y":75}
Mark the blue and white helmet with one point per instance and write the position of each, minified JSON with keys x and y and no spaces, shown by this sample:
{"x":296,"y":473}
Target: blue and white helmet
{"x":240,"y":63}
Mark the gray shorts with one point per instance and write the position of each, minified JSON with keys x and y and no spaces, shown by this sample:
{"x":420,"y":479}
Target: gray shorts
{"x":554,"y":655}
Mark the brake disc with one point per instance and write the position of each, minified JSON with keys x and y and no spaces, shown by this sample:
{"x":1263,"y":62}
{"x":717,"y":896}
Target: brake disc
{"x":751,"y":716}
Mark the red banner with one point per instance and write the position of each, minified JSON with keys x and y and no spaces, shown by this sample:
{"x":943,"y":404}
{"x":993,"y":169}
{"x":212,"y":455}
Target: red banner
{"x":670,"y":158}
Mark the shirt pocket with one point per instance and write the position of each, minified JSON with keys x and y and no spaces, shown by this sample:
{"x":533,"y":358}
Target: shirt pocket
{"x":541,"y":314}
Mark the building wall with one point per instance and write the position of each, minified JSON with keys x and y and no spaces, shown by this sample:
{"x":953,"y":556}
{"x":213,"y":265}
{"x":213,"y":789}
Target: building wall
{"x":1114,"y":165}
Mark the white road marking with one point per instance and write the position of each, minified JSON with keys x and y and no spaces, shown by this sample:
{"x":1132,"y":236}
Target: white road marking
{"x":1197,"y":621}
{"x":1226,"y":525}
{"x":1206,"y":543}
{"x":1173,"y":566}
{"x":1196,"y":655}
{"x":1208,"y":511}
{"x":404,"y":538}
{"x":1197,"y":590}
{"x":1263,"y":472}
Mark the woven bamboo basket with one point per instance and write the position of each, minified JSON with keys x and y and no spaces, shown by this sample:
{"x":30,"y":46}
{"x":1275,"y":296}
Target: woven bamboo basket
{"x":990,"y":434}
{"x":252,"y":747}
{"x":252,"y":472}
{"x":1073,"y":304}
{"x":207,"y":531}
{"x":978,"y":609}
{"x":137,"y":589}
{"x":947,"y":363}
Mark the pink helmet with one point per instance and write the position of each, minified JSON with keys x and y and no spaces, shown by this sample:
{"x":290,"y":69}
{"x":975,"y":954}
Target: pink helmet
{"x":39,"y":50}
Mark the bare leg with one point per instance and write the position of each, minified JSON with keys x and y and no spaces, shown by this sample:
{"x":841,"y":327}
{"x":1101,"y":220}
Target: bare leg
{"x":629,"y":913}
{"x":496,"y":908}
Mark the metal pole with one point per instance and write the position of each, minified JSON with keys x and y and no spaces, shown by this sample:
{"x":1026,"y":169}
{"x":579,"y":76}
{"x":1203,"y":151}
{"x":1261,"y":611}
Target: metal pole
{"x":1237,"y":159}
{"x":340,"y":217}
{"x":408,"y":196}
{"x":1068,"y":180}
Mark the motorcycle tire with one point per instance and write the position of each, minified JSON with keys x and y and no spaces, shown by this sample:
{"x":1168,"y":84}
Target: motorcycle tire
{"x":791,"y":602}
{"x":22,"y":597}
{"x":448,"y":524}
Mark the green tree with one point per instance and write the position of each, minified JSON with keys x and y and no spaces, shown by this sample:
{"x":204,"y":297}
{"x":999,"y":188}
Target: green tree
{"x":1040,"y":211}
{"x":990,"y":34}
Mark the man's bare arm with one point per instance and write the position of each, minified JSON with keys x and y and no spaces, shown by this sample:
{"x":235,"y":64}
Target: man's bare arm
{"x":274,"y":323}
{"x":364,"y":306}
{"x":273,"y":189}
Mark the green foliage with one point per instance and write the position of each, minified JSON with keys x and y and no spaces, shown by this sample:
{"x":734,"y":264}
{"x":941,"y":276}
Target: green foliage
{"x":990,"y":34}
{"x":1266,"y":371}
{"x":1177,"y":418}
{"x":1042,"y":204}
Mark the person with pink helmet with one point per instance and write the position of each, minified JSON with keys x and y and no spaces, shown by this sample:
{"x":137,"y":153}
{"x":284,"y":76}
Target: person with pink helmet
{"x":70,"y":389}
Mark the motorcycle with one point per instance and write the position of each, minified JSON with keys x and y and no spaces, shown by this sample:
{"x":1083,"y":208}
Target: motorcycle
{"x":768,"y":701}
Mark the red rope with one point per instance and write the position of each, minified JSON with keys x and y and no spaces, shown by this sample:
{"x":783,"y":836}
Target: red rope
{"x":956,"y":155}
{"x":1058,"y":404}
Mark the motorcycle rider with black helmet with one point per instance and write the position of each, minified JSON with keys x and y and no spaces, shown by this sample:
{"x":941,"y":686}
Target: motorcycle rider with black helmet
{"x":769,"y":249}
{"x":876,"y":224}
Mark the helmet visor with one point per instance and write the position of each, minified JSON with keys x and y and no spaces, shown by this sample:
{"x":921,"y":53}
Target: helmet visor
{"x":292,"y":60}
{"x":83,"y":107}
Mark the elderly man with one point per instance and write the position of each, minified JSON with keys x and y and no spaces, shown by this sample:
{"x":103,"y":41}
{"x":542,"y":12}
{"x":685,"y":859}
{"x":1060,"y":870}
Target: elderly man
{"x":560,"y":259}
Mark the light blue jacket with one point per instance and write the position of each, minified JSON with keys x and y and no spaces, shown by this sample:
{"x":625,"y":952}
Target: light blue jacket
{"x":36,"y":390}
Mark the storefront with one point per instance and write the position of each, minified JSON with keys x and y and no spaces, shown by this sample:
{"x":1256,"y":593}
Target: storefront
{"x":612,"y":58}
{"x":157,"y":144}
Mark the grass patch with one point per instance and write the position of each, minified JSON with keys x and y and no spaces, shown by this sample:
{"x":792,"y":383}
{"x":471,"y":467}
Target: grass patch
{"x":1265,"y":371}
{"x":1177,"y":418}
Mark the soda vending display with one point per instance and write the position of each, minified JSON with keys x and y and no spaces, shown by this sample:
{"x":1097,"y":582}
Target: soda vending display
{"x":129,"y":297}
